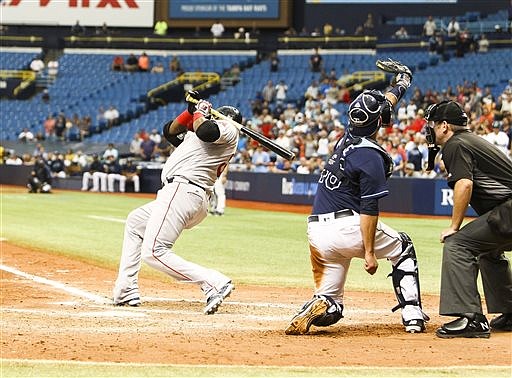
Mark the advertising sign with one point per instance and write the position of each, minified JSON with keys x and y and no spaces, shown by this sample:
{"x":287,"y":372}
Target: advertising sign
{"x":115,"y":13}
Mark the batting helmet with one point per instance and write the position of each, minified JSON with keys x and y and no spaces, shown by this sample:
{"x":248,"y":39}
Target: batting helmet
{"x":365,"y":113}
{"x":231,"y":112}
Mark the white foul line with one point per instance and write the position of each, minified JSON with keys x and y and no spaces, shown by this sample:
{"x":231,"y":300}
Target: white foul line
{"x":108,"y":219}
{"x":58,"y":285}
{"x":103,"y":300}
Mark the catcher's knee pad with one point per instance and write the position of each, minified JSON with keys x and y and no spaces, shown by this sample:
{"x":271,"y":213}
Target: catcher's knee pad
{"x":333,"y":313}
{"x":407,"y":291}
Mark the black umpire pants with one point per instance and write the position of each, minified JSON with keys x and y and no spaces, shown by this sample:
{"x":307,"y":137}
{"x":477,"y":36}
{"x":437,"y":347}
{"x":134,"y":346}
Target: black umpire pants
{"x":475,"y":247}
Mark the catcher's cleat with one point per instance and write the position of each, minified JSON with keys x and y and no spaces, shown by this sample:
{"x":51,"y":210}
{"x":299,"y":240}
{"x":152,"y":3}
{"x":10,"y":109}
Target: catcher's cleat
{"x":414,"y":325}
{"x":134,"y":302}
{"x":308,"y":313}
{"x":502,"y":323}
{"x":471,"y":325}
{"x":215,"y":300}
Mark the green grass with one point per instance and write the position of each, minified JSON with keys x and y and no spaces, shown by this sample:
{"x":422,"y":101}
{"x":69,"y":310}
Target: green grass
{"x":251,"y":246}
{"x":84,"y":369}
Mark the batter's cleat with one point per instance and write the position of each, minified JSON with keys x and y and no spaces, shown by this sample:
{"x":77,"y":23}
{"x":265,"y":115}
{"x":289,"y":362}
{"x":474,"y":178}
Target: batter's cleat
{"x":502,"y":323}
{"x":471,"y":325}
{"x":215,"y":300}
{"x":414,"y":326}
{"x":308,"y":313}
{"x":135,"y":302}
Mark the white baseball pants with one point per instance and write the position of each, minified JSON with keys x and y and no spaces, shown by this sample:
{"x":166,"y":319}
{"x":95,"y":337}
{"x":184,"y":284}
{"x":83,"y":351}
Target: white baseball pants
{"x":151,"y":231}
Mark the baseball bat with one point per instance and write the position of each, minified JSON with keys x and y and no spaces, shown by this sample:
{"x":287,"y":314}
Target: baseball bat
{"x":258,"y":137}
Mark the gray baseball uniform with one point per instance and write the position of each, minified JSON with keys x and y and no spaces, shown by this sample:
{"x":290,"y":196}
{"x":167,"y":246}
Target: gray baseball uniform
{"x":151,"y":230}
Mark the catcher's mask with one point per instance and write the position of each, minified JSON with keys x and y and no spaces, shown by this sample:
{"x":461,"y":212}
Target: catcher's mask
{"x":231,"y":112}
{"x":365,"y":113}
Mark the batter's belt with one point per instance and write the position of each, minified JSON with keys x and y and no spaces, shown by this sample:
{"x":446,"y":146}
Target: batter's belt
{"x":330,"y":216}
{"x":184,"y":180}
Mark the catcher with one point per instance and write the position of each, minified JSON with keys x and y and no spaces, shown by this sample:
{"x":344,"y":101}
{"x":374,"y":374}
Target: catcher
{"x":344,"y":223}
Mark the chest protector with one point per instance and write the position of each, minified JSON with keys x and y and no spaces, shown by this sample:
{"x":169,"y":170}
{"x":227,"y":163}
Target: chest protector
{"x":336,"y":163}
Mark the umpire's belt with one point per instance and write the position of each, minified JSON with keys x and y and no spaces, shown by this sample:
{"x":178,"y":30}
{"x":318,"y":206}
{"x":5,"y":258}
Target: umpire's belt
{"x":330,"y":216}
{"x":183,"y":180}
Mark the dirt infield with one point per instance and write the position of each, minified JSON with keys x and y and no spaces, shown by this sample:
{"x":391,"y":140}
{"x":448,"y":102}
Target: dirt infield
{"x":56,"y":308}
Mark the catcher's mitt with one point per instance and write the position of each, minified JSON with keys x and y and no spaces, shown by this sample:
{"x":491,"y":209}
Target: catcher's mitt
{"x":393,"y":66}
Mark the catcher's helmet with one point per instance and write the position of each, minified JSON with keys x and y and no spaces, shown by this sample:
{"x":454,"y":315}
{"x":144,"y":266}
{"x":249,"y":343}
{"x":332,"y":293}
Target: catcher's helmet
{"x":365,"y":113}
{"x":231,"y":112}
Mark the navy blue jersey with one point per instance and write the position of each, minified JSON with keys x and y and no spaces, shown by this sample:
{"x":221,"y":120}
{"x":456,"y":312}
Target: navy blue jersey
{"x":353,"y":178}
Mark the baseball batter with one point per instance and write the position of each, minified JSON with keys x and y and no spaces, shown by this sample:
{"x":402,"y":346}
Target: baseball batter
{"x":204,"y":147}
{"x":345,"y":219}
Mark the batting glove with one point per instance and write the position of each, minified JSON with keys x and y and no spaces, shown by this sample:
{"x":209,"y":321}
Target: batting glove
{"x":192,"y":106}
{"x":203,"y":108}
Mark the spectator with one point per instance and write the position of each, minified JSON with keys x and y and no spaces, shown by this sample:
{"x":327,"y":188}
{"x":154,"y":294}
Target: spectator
{"x":260,"y":159}
{"x":13,"y":159}
{"x":369,"y":25}
{"x":498,"y":137}
{"x":37,"y":65}
{"x":45,"y":96}
{"x":327,"y":29}
{"x":60,"y":126}
{"x":453,"y":28}
{"x":132,"y":63}
{"x":110,"y":151}
{"x":135,"y":145}
{"x":49,"y":127}
{"x":401,"y":33}
{"x":132,"y":174}
{"x":312,"y":91}
{"x":410,"y":171}
{"x":429,"y":28}
{"x":147,"y":149}
{"x":280,"y":91}
{"x":161,"y":27}
{"x":25,"y":135}
{"x":315,"y":61}
{"x":144,"y":62}
{"x":274,"y":62}
{"x":111,"y":116}
{"x":268,"y":92}
{"x":162,"y":150}
{"x":158,"y":68}
{"x":77,"y":29}
{"x":217,"y":29}
{"x":483,"y":44}
{"x":118,"y":63}
{"x":155,"y":136}
{"x":53,"y":68}
{"x":102,"y":30}
{"x":175,"y":64}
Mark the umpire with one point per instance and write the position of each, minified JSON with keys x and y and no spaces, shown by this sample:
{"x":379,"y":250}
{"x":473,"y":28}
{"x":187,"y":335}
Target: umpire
{"x":481,"y":176}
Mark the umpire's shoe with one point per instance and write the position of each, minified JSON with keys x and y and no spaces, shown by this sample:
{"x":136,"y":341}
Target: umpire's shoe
{"x":502,"y":323}
{"x":471,"y":325}
{"x":215,"y":300}
{"x":308,"y":313}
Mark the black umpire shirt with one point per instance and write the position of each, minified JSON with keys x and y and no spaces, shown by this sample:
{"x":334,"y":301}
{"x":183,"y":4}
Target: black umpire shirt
{"x":469,"y":156}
